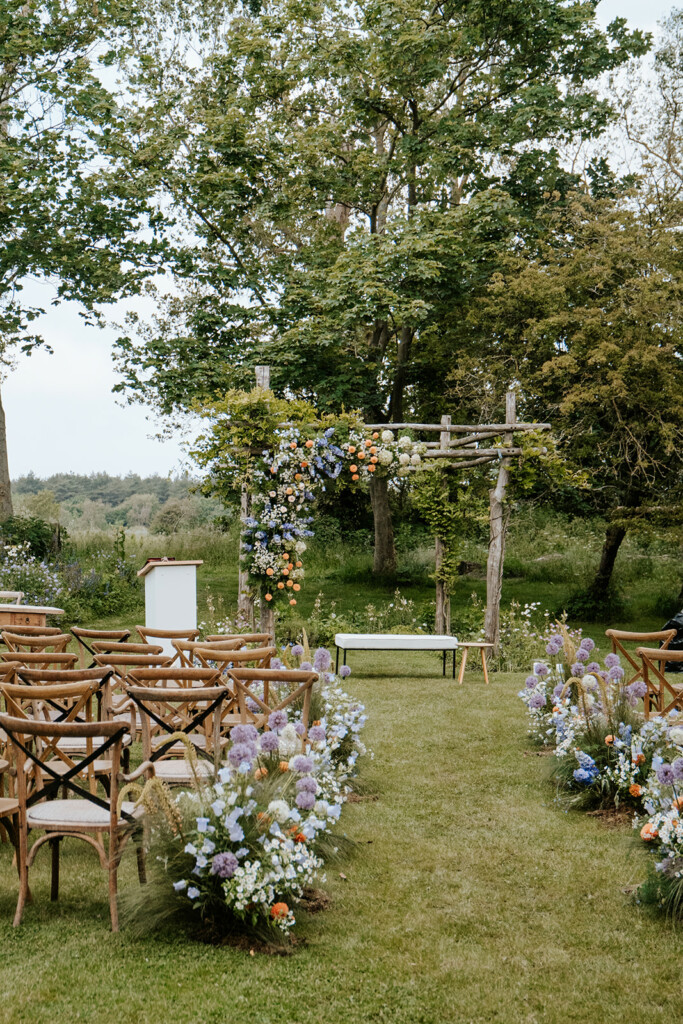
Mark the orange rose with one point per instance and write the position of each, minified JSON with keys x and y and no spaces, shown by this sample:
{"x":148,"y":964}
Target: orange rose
{"x":375,"y":435}
{"x":355,"y":477}
{"x":351,"y":449}
{"x":269,"y":572}
{"x":609,"y":740}
{"x":293,"y":601}
{"x":361,"y":455}
{"x":289,"y":583}
{"x":635,"y":789}
{"x":280,"y":585}
{"x":374,"y":459}
{"x":373,"y":450}
{"x":269,"y":597}
{"x":284,"y":766}
{"x":354,"y":468}
{"x":297,"y":587}
{"x":290,"y":490}
{"x":285,"y":571}
{"x":260,"y":773}
{"x":297,"y":476}
{"x":299,"y":564}
{"x":639,"y":759}
{"x":368,"y":444}
{"x":279,"y":911}
{"x":648,"y":832}
{"x":371,"y":469}
{"x":292,"y":444}
{"x":309,"y":444}
{"x":285,"y":555}
{"x":304,"y":465}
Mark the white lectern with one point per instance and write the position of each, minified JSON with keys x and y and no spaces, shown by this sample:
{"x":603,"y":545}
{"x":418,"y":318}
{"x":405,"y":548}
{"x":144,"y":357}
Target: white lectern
{"x":170,"y":596}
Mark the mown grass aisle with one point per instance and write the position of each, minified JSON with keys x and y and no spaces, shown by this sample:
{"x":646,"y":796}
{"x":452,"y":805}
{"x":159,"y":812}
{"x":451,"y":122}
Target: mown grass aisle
{"x":471,"y":898}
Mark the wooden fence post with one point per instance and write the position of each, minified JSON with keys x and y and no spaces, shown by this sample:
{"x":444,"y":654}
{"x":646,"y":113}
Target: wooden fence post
{"x":442,"y":618}
{"x":498,"y":524}
{"x":245,"y":596}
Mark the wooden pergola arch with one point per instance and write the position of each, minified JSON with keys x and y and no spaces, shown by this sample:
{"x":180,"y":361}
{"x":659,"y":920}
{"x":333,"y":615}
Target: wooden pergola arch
{"x":461,"y":446}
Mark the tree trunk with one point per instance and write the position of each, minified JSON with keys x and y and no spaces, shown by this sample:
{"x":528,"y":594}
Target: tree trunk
{"x":498,"y":520}
{"x":6,"y":509}
{"x":614,"y":535}
{"x":267,"y":619}
{"x":384,"y":562}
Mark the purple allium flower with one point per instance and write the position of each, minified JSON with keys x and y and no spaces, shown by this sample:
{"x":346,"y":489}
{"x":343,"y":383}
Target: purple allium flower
{"x":636,"y":690}
{"x":305,"y":800}
{"x":616,"y":672}
{"x":666,"y":775}
{"x":316,"y":734}
{"x":588,"y":644}
{"x":307,"y":784}
{"x":269,"y":742}
{"x":551,"y":648}
{"x":344,"y":671}
{"x":241,"y":752}
{"x":277,"y":720}
{"x":578,"y":669}
{"x":593,"y":666}
{"x":276,"y":663}
{"x":582,"y":654}
{"x":677,"y":766}
{"x":306,"y":666}
{"x":537,"y":700}
{"x":612,"y":660}
{"x":322,"y":659}
{"x":224,"y":864}
{"x":542,"y":670}
{"x":557,"y":692}
{"x":300,"y":729}
{"x":297,"y":650}
{"x":301,"y":764}
{"x":530,"y":682}
{"x":244,"y":734}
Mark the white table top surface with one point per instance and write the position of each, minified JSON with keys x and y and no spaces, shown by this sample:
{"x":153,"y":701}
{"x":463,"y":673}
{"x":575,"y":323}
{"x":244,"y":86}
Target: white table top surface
{"x":395,"y":641}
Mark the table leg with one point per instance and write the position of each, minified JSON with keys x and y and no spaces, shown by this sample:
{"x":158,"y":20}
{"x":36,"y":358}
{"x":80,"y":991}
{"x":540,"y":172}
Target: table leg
{"x":454,"y":662}
{"x":336,"y":667}
{"x":443,"y":667}
{"x":483,"y":664}
{"x":461,"y":675}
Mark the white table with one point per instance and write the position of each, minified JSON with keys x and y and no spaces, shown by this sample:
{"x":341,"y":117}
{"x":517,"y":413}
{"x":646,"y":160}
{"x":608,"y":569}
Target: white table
{"x":395,"y":642}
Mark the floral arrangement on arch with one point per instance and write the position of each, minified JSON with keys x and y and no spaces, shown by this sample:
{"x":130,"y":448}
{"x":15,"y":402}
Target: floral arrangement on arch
{"x":286,"y":482}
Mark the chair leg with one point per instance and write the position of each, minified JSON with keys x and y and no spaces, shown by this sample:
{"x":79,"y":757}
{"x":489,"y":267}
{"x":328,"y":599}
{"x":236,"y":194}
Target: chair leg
{"x":113,"y":889}
{"x":54,"y":889}
{"x":24,"y":892}
{"x":461,"y":674}
{"x":483,"y":664}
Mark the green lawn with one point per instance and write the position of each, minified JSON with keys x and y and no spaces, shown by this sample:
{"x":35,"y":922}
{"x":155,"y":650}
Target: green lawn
{"x":472,"y":898}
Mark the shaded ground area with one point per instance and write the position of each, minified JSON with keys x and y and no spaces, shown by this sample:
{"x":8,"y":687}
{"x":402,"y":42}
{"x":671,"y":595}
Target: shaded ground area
{"x":471,"y":898}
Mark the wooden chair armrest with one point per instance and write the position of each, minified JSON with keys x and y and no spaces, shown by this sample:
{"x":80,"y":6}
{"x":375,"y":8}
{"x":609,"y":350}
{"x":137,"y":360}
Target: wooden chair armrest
{"x":146,"y":766}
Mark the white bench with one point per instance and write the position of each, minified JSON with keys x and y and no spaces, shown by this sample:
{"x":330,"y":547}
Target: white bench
{"x":395,"y":642}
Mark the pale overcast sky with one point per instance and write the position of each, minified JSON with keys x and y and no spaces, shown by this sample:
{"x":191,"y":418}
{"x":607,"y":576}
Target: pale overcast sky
{"x":61,"y":414}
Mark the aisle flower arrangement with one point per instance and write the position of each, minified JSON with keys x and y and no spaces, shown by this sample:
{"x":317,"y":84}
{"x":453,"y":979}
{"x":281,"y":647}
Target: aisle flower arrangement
{"x":238,"y":851}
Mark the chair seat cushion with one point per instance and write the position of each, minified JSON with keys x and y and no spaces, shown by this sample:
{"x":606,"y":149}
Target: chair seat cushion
{"x":180,"y":771}
{"x":75,"y":744}
{"x":75,"y":814}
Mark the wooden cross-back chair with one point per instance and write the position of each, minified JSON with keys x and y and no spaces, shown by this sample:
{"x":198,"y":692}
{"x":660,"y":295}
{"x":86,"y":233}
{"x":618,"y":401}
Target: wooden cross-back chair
{"x":193,"y":711}
{"x":256,"y":657}
{"x":186,"y":677}
{"x":35,"y":630}
{"x":121,"y":665}
{"x":88,"y":817}
{"x":186,"y":650}
{"x":148,"y":634}
{"x":38,"y":644}
{"x":662,"y":695}
{"x":85,"y":638}
{"x":40,"y":659}
{"x":619,"y":637}
{"x":259,"y":692}
{"x":261,"y":639}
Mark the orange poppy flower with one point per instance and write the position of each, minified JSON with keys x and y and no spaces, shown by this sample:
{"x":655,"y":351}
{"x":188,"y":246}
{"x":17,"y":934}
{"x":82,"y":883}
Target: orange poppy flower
{"x":648,"y":832}
{"x":260,"y":773}
{"x":279,"y":910}
{"x":639,"y":759}
{"x":677,"y":805}
{"x":635,"y":789}
{"x":304,"y":465}
{"x":299,"y":838}
{"x":284,"y":766}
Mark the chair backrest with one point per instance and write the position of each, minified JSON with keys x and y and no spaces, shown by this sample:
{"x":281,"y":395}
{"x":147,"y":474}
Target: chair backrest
{"x":85,"y":637}
{"x":619,"y":637}
{"x":147,"y":632}
{"x":123,"y":663}
{"x":259,"y":692}
{"x":11,"y":596}
{"x":262,"y":639}
{"x":259,"y":657}
{"x":40,"y":659}
{"x":56,"y":642}
{"x":106,"y":647}
{"x":36,"y":742}
{"x":186,"y":650}
{"x":39,"y":679}
{"x":167,"y":677}
{"x":659,"y":689}
{"x":35,"y":630}
{"x":194,"y":711}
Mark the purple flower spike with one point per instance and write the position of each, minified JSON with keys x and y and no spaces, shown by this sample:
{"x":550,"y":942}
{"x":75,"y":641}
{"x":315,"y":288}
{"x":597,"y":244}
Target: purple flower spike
{"x":277,"y":720}
{"x":322,"y":659}
{"x":224,"y":864}
{"x":344,"y":671}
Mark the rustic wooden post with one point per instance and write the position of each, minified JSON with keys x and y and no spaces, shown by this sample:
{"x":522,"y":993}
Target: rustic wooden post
{"x":442,"y":618}
{"x":498,"y":525}
{"x":245,"y":596}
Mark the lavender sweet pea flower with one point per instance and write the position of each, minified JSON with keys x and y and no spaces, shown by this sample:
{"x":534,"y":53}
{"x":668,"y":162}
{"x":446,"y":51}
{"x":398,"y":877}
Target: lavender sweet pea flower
{"x":244,"y":734}
{"x":322,"y":659}
{"x":269,"y":742}
{"x":277,"y":720}
{"x":297,"y":650}
{"x":344,"y":671}
{"x":612,"y":660}
{"x":224,"y":864}
{"x":305,"y":800}
{"x":666,"y":775}
{"x":316,"y":734}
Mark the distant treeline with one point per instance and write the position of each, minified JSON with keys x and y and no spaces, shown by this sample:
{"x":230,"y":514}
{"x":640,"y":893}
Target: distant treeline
{"x":110,"y":490}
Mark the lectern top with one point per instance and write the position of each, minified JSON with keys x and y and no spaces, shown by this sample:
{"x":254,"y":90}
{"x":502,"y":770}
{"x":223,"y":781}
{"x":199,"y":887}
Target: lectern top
{"x":154,"y":563}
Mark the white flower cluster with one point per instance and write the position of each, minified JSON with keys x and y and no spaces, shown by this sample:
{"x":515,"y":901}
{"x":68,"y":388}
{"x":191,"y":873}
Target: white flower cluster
{"x":382,"y":453}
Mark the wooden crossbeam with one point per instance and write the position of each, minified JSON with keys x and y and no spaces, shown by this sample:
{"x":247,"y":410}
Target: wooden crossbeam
{"x":459,"y":428}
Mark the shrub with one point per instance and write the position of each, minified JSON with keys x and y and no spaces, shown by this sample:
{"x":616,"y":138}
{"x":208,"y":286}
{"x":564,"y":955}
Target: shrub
{"x":43,"y":537}
{"x":22,"y":570}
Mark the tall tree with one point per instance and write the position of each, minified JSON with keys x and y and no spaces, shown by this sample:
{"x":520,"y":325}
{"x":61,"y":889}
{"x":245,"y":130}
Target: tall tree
{"x":64,"y":215}
{"x":332,"y":165}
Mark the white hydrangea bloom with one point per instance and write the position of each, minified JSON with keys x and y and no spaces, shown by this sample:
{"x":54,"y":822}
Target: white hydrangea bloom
{"x":387,"y":436}
{"x":385,"y":457}
{"x":404,"y":459}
